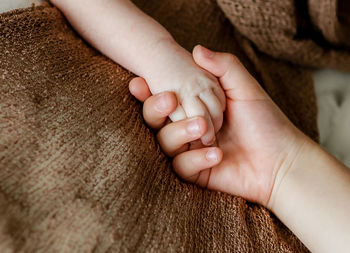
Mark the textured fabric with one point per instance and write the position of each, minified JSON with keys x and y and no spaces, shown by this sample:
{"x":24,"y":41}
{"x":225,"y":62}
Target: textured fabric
{"x":307,"y":33}
{"x":79,"y":170}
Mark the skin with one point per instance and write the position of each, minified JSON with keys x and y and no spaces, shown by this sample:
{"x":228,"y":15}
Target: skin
{"x":260,"y":155}
{"x":254,"y":128}
{"x":134,"y":40}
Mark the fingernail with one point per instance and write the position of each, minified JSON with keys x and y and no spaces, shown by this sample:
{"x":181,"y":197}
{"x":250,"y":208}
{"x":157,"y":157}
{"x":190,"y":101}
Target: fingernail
{"x":212,"y":155}
{"x":193,"y":127}
{"x":207,"y":53}
{"x":161,"y":104}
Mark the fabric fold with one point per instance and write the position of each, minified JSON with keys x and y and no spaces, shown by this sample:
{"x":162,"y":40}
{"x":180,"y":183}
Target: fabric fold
{"x":80,"y":171}
{"x":273,"y":27}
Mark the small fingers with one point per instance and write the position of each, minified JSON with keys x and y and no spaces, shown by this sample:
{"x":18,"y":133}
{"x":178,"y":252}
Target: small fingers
{"x":194,"y":166}
{"x":220,"y":94}
{"x":214,"y":107}
{"x":194,"y":107}
{"x":157,"y":108}
{"x":174,"y":136}
{"x":178,"y":114}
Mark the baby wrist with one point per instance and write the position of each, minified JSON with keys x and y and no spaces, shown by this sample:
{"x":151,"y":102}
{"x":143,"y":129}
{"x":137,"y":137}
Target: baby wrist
{"x":168,"y":63}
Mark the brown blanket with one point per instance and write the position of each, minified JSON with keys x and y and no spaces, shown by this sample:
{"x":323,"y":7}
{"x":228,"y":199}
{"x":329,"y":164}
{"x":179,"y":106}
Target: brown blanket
{"x":80,"y":172}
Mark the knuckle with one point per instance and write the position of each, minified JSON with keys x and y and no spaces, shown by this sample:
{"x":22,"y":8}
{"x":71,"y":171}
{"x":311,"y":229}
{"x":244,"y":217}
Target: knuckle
{"x":233,"y":59}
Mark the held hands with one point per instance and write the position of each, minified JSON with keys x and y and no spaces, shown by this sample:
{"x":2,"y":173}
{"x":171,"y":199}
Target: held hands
{"x":198,"y":92}
{"x":255,"y":146}
{"x":200,"y":95}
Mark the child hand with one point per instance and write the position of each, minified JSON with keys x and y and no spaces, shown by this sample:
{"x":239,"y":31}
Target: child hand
{"x":201,"y":95}
{"x":137,"y":42}
{"x":198,"y":92}
{"x":255,"y":144}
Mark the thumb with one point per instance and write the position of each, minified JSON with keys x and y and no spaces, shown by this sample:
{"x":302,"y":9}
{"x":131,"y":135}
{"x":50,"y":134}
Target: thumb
{"x":235,"y":79}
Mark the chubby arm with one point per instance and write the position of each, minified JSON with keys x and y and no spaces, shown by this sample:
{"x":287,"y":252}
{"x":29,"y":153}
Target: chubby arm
{"x":137,"y":42}
{"x":123,"y":33}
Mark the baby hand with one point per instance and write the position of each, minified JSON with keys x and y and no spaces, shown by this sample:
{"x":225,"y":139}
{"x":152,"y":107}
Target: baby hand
{"x":198,"y":93}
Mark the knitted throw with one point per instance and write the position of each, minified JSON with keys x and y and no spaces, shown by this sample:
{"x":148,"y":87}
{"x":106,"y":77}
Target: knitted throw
{"x":79,"y":170}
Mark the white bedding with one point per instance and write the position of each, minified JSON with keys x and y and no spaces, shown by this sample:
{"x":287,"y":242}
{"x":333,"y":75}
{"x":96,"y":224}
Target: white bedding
{"x":333,"y":100}
{"x":7,"y":5}
{"x":333,"y":95}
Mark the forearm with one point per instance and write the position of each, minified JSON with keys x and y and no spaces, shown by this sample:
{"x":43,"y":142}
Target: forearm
{"x":123,"y":33}
{"x":313,"y":200}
